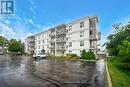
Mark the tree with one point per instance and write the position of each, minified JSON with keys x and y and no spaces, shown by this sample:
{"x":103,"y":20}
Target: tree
{"x":124,"y":51}
{"x":15,"y":46}
{"x":3,"y":41}
{"x":87,"y":55}
{"x":116,"y":39}
{"x":83,"y":54}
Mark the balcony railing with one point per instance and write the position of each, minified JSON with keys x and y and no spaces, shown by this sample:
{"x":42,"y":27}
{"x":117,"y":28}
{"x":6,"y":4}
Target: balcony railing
{"x":60,"y":48}
{"x":60,"y":40}
{"x":92,"y":47}
{"x":52,"y":41}
{"x":52,"y":34}
{"x":92,"y":37}
{"x":52,"y":48}
{"x":61,"y":33}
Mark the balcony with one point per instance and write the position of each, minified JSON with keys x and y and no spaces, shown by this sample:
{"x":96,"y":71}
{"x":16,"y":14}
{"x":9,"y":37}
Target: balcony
{"x":92,"y":37}
{"x":52,"y":48}
{"x":61,"y":48}
{"x":51,"y":41}
{"x":61,"y":33}
{"x":92,"y":47}
{"x":52,"y":34}
{"x":60,"y":40}
{"x":99,"y":35}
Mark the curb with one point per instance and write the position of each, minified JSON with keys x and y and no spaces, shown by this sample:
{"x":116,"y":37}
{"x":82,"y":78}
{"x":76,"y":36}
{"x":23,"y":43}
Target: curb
{"x":108,"y":77}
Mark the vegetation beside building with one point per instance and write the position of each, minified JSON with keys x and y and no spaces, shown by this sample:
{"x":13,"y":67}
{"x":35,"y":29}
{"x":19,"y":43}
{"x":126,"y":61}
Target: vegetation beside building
{"x":84,"y":55}
{"x":12,"y":46}
{"x":16,"y":47}
{"x":87,"y":55}
{"x":118,"y":47}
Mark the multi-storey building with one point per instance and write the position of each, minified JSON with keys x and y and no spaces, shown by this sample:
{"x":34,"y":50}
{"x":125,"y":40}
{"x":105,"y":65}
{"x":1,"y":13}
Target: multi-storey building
{"x":69,"y":38}
{"x":42,"y":42}
{"x":29,"y":45}
{"x":82,"y":34}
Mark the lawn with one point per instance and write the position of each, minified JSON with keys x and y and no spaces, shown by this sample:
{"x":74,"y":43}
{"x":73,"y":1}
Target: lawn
{"x":118,"y":77}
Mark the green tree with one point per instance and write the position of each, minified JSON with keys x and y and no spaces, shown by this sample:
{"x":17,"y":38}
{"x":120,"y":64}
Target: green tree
{"x":83,"y":54}
{"x":124,"y":51}
{"x":15,"y":46}
{"x":116,"y":39}
{"x":87,"y":55}
{"x":3,"y":41}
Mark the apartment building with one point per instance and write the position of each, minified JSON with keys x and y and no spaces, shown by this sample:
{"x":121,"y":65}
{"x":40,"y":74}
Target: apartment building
{"x":72,"y":37}
{"x":29,"y":45}
{"x":42,"y":42}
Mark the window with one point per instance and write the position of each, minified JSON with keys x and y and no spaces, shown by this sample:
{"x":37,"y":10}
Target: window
{"x":81,"y":24}
{"x":70,"y":44}
{"x":47,"y":46}
{"x":81,"y":33}
{"x":67,"y":38}
{"x":70,"y":27}
{"x":81,"y":43}
{"x":70,"y":51}
{"x":70,"y":36}
{"x":66,"y":46}
{"x":92,"y":23}
{"x":91,"y":32}
{"x":66,"y":31}
{"x":39,"y":42}
{"x":39,"y":47}
{"x":43,"y":41}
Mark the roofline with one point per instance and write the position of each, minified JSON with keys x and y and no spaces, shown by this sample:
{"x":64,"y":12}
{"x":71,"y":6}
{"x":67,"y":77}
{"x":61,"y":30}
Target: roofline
{"x":73,"y":21}
{"x":80,"y":19}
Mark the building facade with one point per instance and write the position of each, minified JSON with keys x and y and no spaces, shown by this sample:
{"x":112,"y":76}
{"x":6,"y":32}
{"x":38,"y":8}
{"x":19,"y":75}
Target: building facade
{"x":29,"y":45}
{"x":42,"y":42}
{"x":70,"y":38}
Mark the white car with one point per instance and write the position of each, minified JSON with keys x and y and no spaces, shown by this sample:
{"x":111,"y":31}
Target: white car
{"x":40,"y":55}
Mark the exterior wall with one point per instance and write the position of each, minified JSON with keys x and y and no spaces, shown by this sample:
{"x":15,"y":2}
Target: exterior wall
{"x":74,"y":36}
{"x":29,"y":45}
{"x":57,"y":39}
{"x":42,"y":42}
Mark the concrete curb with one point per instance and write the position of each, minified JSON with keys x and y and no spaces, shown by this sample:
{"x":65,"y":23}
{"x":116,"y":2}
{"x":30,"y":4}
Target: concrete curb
{"x":108,"y":76}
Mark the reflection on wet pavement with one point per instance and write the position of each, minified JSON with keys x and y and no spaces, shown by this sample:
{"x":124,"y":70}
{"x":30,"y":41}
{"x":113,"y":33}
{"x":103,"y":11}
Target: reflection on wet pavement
{"x":23,"y":71}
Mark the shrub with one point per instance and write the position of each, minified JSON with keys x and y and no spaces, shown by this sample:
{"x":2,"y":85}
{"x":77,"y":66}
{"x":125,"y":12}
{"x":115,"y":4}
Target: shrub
{"x":87,"y":55}
{"x":70,"y":56}
{"x":83,"y":55}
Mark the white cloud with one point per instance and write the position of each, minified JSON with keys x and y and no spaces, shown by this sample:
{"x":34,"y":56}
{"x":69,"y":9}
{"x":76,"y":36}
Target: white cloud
{"x":17,"y":31}
{"x":33,"y":7}
{"x":30,"y":21}
{"x":7,"y":31}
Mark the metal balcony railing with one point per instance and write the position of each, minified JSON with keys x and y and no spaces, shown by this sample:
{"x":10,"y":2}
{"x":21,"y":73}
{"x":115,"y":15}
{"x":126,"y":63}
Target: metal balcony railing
{"x":61,"y":33}
{"x":60,"y":40}
{"x":60,"y":48}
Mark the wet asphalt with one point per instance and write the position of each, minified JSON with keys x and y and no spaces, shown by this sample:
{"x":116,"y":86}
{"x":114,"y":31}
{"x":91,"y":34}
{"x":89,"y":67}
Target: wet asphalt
{"x":24,"y":71}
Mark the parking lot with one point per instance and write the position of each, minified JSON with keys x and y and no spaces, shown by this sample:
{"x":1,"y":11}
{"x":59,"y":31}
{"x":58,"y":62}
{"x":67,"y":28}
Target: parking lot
{"x":24,"y":71}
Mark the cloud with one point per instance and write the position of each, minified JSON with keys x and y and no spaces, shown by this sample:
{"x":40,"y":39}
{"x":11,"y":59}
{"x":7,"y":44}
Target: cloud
{"x":7,"y":30}
{"x":15,"y":29}
{"x":30,"y":21}
{"x":33,"y":7}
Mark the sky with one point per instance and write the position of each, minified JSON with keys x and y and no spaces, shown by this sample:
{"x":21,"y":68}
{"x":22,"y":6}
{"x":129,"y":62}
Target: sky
{"x":33,"y":16}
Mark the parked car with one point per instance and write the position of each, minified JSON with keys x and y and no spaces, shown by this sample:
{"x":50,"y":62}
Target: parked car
{"x":40,"y":55}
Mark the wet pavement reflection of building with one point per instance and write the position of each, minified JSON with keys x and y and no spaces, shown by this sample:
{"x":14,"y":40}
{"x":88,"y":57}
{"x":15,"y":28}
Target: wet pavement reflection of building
{"x":23,"y":71}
